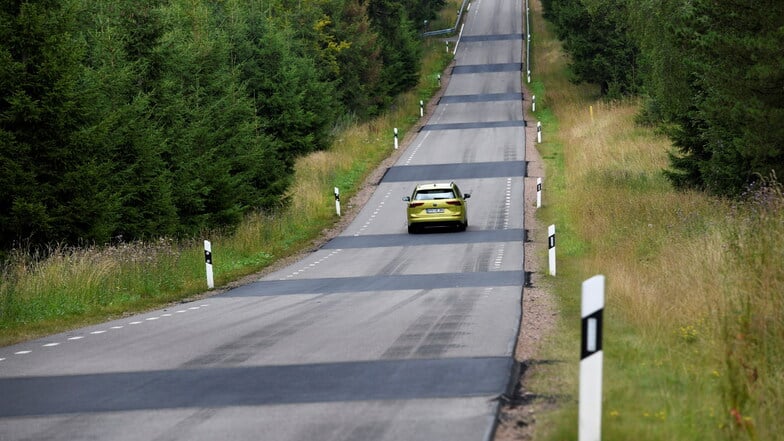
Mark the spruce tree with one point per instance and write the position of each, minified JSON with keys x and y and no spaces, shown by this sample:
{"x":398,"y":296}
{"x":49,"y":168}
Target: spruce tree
{"x":55,"y":189}
{"x":117,"y":75}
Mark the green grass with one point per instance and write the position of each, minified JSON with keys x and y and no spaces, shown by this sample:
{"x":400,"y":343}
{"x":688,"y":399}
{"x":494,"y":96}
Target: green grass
{"x":78,"y":286}
{"x":447,"y":17}
{"x":694,"y":329}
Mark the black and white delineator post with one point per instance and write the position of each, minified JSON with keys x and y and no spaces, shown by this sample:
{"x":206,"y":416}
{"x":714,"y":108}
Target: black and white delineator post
{"x":421,"y":108}
{"x":551,"y":248}
{"x":396,"y":138}
{"x":208,"y":262}
{"x":538,"y":192}
{"x":591,"y":360}
{"x":337,"y":201}
{"x":533,"y":103}
{"x":539,"y":132}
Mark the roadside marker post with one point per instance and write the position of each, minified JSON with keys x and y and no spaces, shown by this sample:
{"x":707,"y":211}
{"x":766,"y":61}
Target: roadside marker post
{"x":208,"y":263}
{"x":539,"y":132}
{"x":551,"y":248}
{"x":421,"y":108}
{"x":396,"y":143}
{"x":538,"y":192}
{"x":533,"y":103}
{"x":591,"y":360}
{"x":337,"y":201}
{"x":529,"y":75}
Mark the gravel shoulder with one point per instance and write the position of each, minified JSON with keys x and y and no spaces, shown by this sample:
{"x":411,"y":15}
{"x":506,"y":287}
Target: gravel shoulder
{"x":517,"y":416}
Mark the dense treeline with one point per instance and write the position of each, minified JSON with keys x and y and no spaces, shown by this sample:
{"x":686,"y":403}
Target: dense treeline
{"x":712,"y":73}
{"x":133,"y":119}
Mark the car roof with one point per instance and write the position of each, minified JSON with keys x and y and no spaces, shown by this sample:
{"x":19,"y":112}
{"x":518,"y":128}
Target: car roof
{"x":435,"y":186}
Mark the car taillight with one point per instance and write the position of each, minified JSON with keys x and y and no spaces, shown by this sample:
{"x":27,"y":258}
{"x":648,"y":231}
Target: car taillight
{"x":454,"y":202}
{"x":415,"y":204}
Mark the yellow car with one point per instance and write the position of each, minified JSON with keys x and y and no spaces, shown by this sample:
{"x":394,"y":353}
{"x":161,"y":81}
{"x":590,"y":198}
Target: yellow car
{"x":437,"y":204}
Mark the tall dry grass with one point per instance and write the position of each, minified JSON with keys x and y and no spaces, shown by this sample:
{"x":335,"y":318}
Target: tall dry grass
{"x":694,"y":329}
{"x":753,"y":315}
{"x":624,"y":208}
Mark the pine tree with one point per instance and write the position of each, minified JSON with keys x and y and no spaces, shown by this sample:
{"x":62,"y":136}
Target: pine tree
{"x":401,"y":48}
{"x":55,"y":187}
{"x":211,"y":126}
{"x":597,"y":37}
{"x":116,"y":76}
{"x":293,"y":101}
{"x":729,"y":119}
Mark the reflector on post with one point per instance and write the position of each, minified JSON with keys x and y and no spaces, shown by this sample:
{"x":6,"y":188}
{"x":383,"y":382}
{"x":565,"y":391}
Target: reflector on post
{"x":591,"y":359}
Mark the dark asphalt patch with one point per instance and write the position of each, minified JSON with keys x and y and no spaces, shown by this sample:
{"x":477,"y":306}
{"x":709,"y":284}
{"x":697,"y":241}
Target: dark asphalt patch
{"x":450,"y":172}
{"x":254,"y":386}
{"x":481,"y":98}
{"x":494,"y":37}
{"x":396,"y":282}
{"x":475,"y":125}
{"x":407,"y":240}
{"x":487,"y":68}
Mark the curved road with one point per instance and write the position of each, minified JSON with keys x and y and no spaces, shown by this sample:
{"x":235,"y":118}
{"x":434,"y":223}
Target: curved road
{"x":378,"y":335}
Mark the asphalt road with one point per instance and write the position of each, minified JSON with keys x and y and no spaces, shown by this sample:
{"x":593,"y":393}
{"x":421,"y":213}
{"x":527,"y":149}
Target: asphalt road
{"x":378,"y":335}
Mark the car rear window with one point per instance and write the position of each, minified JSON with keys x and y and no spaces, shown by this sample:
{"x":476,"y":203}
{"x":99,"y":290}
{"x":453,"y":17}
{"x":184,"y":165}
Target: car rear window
{"x":429,"y":195}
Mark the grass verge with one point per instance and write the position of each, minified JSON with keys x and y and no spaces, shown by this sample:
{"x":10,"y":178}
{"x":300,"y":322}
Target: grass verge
{"x":694,"y":328}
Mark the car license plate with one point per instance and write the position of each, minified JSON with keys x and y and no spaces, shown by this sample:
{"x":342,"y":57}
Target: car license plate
{"x":434,"y":210}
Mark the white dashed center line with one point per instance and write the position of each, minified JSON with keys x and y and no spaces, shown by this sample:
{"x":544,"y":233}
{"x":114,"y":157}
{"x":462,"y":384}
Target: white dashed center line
{"x":499,"y":258}
{"x":103,"y":331}
{"x":508,"y":202}
{"x":311,"y":265}
{"x":375,"y":213}
{"x":414,"y":151}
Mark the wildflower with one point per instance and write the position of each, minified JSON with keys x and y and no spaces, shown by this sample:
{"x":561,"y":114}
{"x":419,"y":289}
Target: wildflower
{"x":689,"y":333}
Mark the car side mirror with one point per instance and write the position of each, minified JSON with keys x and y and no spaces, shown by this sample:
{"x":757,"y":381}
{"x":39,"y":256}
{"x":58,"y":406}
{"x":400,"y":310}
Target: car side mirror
{"x":407,"y":198}
{"x":466,"y":195}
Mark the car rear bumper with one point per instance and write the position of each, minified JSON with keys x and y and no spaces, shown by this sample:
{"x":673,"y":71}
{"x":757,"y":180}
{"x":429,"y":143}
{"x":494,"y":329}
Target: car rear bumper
{"x":435,"y":219}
